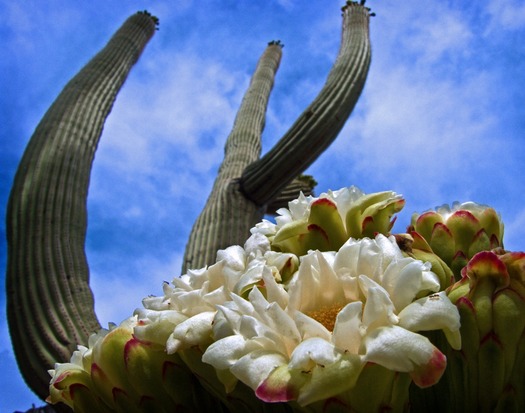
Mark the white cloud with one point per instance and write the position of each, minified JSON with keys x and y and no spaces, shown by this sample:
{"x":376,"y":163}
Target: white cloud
{"x":506,"y":14}
{"x":31,"y":27}
{"x":408,"y":124}
{"x":438,"y":35}
{"x":175,"y":102}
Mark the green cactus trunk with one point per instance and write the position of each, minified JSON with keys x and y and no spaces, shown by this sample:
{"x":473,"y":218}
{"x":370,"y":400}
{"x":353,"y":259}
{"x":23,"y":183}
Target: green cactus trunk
{"x":246,"y":185}
{"x":49,"y":301}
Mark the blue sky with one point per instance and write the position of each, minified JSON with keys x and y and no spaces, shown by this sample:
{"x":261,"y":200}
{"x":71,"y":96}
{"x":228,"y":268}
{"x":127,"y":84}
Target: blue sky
{"x":442,"y":118}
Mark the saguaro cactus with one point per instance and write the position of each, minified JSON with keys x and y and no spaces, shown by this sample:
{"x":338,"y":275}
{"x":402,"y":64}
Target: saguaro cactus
{"x":50,"y":305}
{"x":246,"y":184}
{"x":49,"y":301}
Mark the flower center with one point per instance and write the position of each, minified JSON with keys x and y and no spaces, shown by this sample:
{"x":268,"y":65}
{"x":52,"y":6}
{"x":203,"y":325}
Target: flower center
{"x":326,"y":316}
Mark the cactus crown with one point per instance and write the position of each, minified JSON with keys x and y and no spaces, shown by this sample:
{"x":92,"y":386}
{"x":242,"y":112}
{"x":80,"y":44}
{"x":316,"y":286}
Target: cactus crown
{"x":361,"y":2}
{"x":154,"y":18}
{"x":276,"y":43}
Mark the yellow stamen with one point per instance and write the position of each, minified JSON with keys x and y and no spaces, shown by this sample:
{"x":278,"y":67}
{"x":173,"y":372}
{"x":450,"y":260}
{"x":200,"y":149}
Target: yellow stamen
{"x":326,"y":315}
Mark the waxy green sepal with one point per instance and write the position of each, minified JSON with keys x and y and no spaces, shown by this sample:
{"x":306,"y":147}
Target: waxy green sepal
{"x":487,"y":374}
{"x":121,"y":373}
{"x":415,"y":246}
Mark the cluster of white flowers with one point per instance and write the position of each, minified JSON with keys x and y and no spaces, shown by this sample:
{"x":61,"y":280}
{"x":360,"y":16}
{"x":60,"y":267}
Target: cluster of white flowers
{"x":337,"y":311}
{"x":182,"y":318}
{"x":303,"y":327}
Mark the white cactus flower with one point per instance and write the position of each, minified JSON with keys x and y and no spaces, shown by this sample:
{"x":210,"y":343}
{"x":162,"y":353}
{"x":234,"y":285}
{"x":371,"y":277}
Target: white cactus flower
{"x":344,"y":309}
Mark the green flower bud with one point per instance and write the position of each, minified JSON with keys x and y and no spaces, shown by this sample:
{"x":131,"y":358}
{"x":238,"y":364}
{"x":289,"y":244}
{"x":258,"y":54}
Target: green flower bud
{"x":371,"y":214}
{"x":456,"y":234}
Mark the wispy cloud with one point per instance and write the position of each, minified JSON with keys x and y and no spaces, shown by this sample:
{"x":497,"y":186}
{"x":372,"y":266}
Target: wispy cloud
{"x":181,"y":105}
{"x":408,"y":126}
{"x":506,"y":14}
{"x":437,"y":36}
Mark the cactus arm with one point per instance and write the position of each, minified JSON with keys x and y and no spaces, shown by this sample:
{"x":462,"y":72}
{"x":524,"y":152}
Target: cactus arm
{"x":243,"y":145}
{"x":228,"y":216}
{"x":50,"y":306}
{"x":320,"y":123}
{"x":246,"y":185}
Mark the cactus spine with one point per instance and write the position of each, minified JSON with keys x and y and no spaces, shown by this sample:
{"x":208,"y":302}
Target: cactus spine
{"x":49,"y":301}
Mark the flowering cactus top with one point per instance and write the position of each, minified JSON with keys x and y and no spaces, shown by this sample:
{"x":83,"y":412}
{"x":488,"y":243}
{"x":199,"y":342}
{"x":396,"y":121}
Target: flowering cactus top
{"x":296,"y":314}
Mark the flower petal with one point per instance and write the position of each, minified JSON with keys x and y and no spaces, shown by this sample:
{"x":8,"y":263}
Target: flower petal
{"x":401,"y":350}
{"x":233,"y":257}
{"x":275,"y":293}
{"x":402,"y":280}
{"x":280,"y":386}
{"x":435,"y":312}
{"x":310,"y":328}
{"x":331,"y":380}
{"x":256,"y":366}
{"x":428,"y":374}
{"x":358,"y":257}
{"x":226,"y":352}
{"x":312,"y":352}
{"x":285,"y":384}
{"x":378,"y":309}
{"x":256,"y":246}
{"x":194,"y":331}
{"x":347,"y":331}
{"x":315,"y":285}
{"x":156,"y":326}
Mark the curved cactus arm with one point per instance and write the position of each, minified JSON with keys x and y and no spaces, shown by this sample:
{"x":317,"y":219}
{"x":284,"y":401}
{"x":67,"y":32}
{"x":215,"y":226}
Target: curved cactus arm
{"x":49,"y":301}
{"x":303,"y":183}
{"x":228,"y":216}
{"x":320,"y":123}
